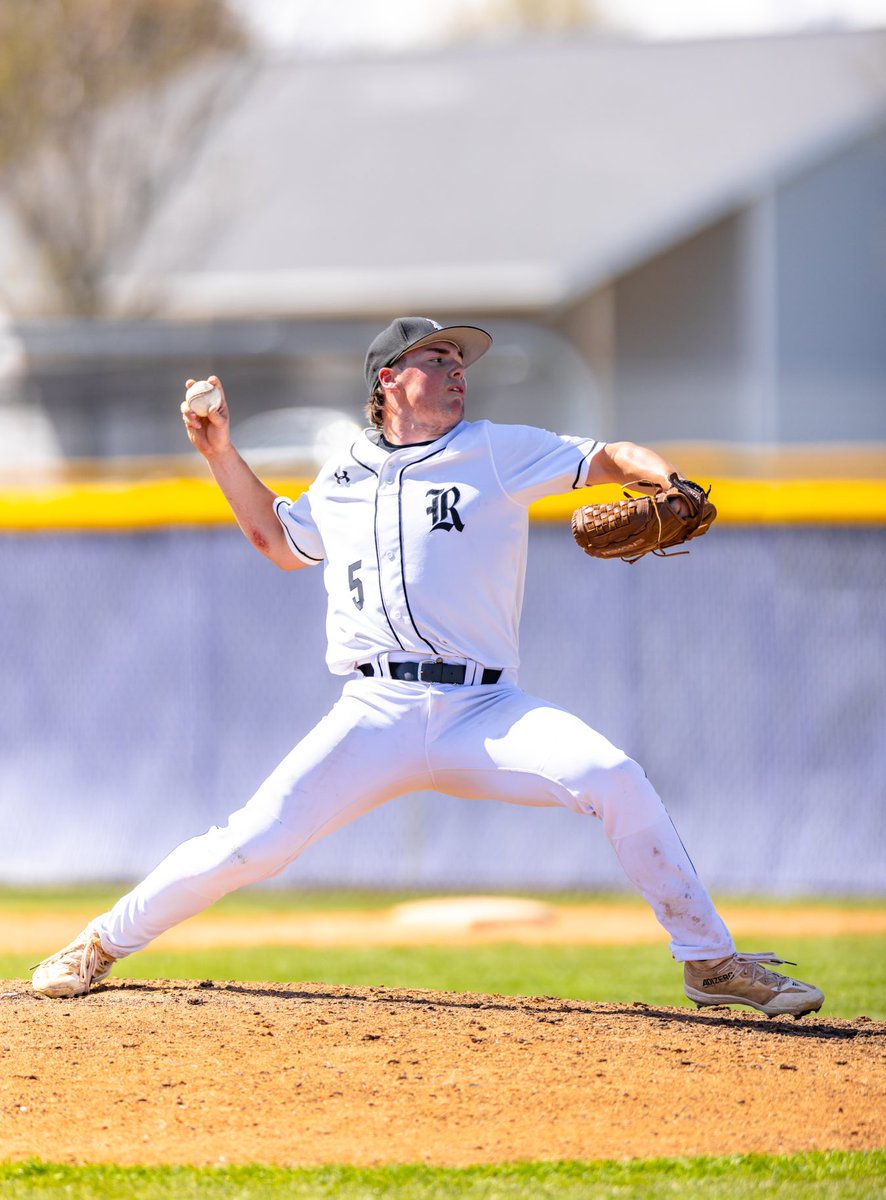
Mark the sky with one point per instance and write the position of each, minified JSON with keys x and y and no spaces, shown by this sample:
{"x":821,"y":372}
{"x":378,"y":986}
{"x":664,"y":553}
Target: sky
{"x":335,"y":25}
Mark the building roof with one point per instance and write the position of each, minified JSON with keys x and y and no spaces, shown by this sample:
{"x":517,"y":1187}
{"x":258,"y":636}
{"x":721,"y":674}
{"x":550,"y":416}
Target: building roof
{"x":509,"y":178}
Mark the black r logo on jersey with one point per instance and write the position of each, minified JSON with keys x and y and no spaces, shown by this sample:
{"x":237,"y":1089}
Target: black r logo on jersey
{"x":442,"y":510}
{"x":341,"y":476}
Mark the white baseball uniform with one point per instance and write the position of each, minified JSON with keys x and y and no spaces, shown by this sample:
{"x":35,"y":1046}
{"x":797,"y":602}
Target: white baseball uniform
{"x":424,"y":552}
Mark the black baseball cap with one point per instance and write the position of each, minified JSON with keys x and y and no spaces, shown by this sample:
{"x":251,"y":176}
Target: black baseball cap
{"x":407,"y":333}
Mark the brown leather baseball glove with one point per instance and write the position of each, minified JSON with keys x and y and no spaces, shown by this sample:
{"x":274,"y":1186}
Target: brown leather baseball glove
{"x":639,"y":525}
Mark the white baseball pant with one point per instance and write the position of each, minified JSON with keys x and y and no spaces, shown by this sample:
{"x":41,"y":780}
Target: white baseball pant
{"x":384,"y":738}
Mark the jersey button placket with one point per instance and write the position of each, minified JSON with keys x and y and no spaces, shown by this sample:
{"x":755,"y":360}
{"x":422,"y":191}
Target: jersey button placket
{"x":388,"y":535}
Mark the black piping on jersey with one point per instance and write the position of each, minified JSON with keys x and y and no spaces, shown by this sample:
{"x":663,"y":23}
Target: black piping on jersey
{"x":400,"y":474}
{"x":381,"y":595}
{"x":579,"y":480}
{"x":371,"y":470}
{"x":294,"y":543}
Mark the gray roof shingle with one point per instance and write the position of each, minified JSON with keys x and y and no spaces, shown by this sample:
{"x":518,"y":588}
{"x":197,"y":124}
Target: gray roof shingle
{"x":495,"y":177}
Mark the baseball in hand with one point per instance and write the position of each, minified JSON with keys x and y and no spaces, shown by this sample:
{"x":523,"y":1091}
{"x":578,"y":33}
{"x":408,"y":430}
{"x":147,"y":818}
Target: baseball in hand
{"x":203,"y":397}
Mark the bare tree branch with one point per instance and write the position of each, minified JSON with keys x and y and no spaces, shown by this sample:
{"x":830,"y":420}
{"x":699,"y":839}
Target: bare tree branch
{"x":103,"y":106}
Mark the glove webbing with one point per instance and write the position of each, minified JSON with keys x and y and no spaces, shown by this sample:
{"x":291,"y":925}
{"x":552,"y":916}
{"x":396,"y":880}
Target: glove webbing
{"x":642,"y":485}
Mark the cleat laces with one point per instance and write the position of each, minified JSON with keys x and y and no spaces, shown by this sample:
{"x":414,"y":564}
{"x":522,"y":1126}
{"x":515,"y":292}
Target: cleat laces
{"x":87,"y":956}
{"x":93,"y":961}
{"x":762,"y":974}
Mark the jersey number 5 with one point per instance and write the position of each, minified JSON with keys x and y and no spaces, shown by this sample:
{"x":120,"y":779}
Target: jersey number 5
{"x":355,"y":583}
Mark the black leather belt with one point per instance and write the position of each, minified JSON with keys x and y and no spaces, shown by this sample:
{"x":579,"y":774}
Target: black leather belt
{"x":431,"y":671}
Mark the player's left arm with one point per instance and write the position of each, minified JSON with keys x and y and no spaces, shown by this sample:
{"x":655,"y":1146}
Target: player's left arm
{"x":626,"y":462}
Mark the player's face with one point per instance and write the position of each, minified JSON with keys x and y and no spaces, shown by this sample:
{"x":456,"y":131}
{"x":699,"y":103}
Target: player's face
{"x":432,"y":379}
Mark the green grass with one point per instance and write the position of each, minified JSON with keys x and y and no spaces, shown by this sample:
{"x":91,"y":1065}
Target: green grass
{"x":814,"y":1176}
{"x":851,"y":970}
{"x":99,"y":897}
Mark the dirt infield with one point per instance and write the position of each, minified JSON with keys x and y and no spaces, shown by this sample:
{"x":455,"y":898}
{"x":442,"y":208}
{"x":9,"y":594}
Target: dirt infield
{"x":304,"y":1074}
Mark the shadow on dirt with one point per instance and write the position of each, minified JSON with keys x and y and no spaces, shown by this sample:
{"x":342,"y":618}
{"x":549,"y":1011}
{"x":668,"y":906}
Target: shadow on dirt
{"x":548,"y":1009}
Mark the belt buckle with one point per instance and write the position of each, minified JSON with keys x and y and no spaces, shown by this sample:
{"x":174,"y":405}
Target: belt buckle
{"x":439,"y":671}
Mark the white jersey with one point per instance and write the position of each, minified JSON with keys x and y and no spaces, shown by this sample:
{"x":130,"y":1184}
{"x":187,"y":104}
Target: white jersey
{"x":425,"y":546}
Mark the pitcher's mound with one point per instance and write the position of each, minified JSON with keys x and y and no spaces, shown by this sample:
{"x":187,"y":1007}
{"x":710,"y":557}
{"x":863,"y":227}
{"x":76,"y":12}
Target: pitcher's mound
{"x":162,"y":1071}
{"x":467,"y":913}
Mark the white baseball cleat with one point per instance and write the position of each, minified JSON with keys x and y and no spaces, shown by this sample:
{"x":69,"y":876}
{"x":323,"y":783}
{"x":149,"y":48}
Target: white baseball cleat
{"x":73,"y":971}
{"x":741,"y":979}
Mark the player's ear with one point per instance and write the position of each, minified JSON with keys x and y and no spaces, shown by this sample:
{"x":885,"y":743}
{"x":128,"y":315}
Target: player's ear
{"x":387,"y":376}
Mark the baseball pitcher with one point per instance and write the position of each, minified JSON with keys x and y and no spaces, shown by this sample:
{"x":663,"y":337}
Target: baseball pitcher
{"x":421,"y":530}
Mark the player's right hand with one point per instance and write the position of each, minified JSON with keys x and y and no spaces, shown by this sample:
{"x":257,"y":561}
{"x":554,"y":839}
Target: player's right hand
{"x":211,"y":433}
